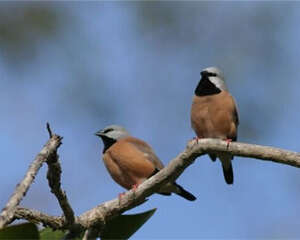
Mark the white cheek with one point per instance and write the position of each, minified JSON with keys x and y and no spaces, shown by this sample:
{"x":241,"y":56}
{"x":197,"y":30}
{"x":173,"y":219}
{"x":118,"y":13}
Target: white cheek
{"x":218,"y":83}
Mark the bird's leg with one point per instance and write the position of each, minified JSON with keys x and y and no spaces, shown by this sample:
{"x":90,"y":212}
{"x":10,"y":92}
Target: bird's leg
{"x":196,"y":139}
{"x":134,"y":187}
{"x":120,"y":197}
{"x":228,"y":140}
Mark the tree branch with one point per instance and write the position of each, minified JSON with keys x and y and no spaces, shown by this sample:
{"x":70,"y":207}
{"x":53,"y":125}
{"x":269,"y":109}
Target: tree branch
{"x":107,"y":210}
{"x":54,"y":176}
{"x":8,"y":211}
{"x":39,"y":217}
{"x":248,"y":150}
{"x":98,"y":216}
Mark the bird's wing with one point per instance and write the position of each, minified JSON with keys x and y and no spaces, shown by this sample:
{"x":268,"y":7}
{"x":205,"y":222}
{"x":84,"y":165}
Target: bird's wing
{"x":235,"y":117}
{"x":146,"y":150}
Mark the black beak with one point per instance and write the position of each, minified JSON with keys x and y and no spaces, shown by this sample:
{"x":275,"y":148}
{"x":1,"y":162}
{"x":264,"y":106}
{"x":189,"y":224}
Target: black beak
{"x":99,"y":133}
{"x":204,"y":73}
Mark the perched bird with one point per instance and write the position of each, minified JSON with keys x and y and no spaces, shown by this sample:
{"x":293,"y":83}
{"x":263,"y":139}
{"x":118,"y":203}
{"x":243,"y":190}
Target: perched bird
{"x":130,"y":161}
{"x":214,"y":114}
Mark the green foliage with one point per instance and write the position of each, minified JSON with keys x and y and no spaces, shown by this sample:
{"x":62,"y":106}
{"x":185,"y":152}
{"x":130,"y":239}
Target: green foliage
{"x":121,"y":227}
{"x":124,"y":226}
{"x":49,"y":234}
{"x":20,"y":231}
{"x":23,"y":27}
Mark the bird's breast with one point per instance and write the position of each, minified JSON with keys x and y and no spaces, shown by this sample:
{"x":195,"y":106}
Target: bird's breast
{"x":211,"y":117}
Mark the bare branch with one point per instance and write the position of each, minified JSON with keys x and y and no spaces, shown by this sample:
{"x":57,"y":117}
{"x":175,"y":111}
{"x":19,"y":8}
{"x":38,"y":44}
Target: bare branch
{"x":98,"y":216}
{"x":8,"y":211}
{"x":54,"y":176}
{"x":246,"y":150}
{"x":102,"y":213}
{"x":38,"y":217}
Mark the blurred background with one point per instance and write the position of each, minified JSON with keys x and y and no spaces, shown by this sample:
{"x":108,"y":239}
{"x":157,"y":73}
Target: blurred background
{"x":82,"y":66}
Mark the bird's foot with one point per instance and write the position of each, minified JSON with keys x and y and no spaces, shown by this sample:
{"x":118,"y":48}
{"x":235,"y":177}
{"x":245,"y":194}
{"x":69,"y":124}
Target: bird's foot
{"x":228,"y":142}
{"x":192,"y":142}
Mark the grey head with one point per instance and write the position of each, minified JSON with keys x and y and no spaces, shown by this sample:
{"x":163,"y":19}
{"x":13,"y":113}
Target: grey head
{"x":215,"y":76}
{"x":111,"y":134}
{"x":113,"y":131}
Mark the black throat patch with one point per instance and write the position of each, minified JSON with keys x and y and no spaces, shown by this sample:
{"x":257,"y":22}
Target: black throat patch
{"x":108,"y":142}
{"x":206,"y":87}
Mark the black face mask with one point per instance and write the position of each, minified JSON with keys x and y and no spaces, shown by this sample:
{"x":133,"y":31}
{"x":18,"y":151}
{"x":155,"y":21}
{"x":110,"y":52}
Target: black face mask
{"x":108,"y":142}
{"x":206,"y":87}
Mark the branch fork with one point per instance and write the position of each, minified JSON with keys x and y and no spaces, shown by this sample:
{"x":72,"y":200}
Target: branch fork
{"x":98,"y":216}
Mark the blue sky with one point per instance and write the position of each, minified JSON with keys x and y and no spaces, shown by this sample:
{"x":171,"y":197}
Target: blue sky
{"x":137,"y":64}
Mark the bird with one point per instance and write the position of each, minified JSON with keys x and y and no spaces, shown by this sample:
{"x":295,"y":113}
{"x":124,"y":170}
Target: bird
{"x":130,"y":161}
{"x":214,"y":114}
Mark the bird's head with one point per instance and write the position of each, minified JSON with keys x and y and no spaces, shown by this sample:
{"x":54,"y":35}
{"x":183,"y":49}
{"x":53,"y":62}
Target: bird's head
{"x":215,"y":76}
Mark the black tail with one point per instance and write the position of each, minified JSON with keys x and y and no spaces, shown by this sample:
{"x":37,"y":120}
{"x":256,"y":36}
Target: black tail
{"x":185,"y":194}
{"x":228,"y":173}
{"x":165,"y":194}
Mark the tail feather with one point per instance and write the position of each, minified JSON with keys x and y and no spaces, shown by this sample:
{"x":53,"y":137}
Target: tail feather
{"x":164,"y":193}
{"x":228,"y":172}
{"x":183,"y":193}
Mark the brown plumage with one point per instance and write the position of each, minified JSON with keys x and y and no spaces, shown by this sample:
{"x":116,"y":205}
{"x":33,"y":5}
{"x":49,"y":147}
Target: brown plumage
{"x":214,"y":114}
{"x":130,"y":161}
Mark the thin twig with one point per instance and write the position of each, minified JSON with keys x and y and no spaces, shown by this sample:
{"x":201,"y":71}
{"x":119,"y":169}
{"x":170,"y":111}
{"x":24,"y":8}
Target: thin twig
{"x":8,"y":211}
{"x":54,"y":180}
{"x":49,"y":130}
{"x":53,"y":176}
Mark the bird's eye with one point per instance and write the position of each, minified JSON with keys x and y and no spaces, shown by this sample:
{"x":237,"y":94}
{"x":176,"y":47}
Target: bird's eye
{"x":208,"y":74}
{"x":107,"y":130}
